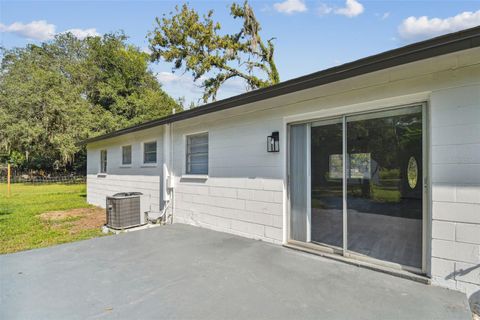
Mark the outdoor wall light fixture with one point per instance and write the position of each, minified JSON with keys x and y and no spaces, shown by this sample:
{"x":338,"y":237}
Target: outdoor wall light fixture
{"x":273,"y":142}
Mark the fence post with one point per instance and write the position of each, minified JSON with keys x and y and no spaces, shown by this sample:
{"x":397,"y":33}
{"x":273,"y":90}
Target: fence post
{"x":8,"y":179}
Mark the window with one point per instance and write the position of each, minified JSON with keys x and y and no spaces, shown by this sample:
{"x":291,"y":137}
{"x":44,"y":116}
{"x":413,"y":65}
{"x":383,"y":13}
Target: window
{"x":197,"y":154}
{"x":359,"y":166}
{"x":103,"y":161}
{"x":126,"y":155}
{"x":150,"y":152}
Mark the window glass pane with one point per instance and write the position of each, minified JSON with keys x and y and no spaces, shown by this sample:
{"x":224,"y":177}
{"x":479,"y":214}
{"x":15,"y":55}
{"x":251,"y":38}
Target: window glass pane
{"x":150,"y":158}
{"x":198,"y":158}
{"x":103,"y":161}
{"x":127,"y":155}
{"x":384,"y":206}
{"x":197,"y":154}
{"x":327,"y":183}
{"x":199,"y":139}
{"x":150,"y":152}
{"x":198,"y":148}
{"x":150,"y":147}
{"x":199,"y":169}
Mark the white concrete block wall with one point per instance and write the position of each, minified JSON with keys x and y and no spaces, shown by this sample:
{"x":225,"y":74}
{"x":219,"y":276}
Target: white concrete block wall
{"x":137,"y":177}
{"x":249,"y":207}
{"x":244,"y":191}
{"x":455,"y":156}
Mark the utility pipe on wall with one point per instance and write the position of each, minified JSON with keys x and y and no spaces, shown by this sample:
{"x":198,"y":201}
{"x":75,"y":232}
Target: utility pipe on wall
{"x":167,"y":173}
{"x":166,"y":163}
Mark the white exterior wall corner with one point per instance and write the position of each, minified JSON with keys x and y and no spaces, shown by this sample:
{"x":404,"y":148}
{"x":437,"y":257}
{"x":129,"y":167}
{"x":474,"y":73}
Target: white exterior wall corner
{"x":455,"y":177}
{"x":136,"y":177}
{"x":244,"y":193}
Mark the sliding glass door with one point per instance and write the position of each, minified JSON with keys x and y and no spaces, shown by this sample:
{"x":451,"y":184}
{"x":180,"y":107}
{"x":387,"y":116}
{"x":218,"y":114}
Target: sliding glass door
{"x":384,"y":189}
{"x":371,"y":203}
{"x":327,"y":183}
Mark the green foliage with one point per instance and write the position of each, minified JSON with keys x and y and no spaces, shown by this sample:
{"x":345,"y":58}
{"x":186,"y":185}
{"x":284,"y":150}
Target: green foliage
{"x":58,"y":93}
{"x":20,"y":225}
{"x":16,"y":159}
{"x":389,"y":174}
{"x":381,"y":194}
{"x":195,"y":43}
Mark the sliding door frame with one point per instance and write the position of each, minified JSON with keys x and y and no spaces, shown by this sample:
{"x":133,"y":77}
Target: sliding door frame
{"x":344,"y":252}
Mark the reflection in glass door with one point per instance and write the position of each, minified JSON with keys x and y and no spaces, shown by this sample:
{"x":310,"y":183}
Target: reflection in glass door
{"x":327,"y":183}
{"x":380,"y":205}
{"x":384,"y":189}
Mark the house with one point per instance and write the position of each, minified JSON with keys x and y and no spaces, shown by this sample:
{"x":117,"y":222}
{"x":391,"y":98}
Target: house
{"x":375,"y":162}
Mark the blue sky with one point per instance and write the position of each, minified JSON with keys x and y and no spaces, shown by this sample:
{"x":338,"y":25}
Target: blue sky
{"x":310,"y":35}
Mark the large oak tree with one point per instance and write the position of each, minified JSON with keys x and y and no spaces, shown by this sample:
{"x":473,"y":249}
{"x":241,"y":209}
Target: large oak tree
{"x":195,"y":43}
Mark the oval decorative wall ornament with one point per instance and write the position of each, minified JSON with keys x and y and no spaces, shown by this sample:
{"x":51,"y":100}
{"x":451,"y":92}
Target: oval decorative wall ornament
{"x":412,"y":172}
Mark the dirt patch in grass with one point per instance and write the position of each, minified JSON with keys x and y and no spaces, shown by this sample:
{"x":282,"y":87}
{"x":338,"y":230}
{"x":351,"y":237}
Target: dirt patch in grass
{"x":75,"y":220}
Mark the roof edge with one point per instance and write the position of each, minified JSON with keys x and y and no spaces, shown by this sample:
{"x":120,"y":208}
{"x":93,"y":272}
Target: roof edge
{"x":441,"y":45}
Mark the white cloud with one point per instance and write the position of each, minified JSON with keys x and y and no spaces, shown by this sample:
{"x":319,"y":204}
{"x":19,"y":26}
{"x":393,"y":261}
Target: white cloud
{"x":182,"y":85}
{"x":182,"y":82}
{"x":414,"y":28}
{"x":83,"y":33}
{"x":232,"y":86}
{"x":290,"y":6}
{"x":38,"y":30}
{"x":352,"y":9}
{"x":324,"y":9}
{"x":186,"y":82}
{"x":42,"y":30}
{"x":383,"y":16}
{"x":146,"y":50}
{"x":167,"y":77}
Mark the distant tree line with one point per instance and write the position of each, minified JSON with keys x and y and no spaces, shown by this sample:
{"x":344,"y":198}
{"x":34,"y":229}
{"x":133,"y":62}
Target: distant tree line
{"x":55,"y":94}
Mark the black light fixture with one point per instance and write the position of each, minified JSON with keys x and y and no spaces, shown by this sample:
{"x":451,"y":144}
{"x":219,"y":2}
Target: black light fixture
{"x":273,"y":142}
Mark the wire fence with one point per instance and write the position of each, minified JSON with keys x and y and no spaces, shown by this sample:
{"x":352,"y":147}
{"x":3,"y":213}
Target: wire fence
{"x":69,"y":179}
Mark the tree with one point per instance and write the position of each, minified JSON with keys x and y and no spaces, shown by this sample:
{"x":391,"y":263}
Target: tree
{"x":195,"y":44}
{"x":121,"y":85}
{"x":42,"y":113}
{"x":58,"y":93}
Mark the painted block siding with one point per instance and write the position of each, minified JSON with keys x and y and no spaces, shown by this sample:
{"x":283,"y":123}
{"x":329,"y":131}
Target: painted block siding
{"x":245,"y":191}
{"x":246,"y":207}
{"x":137,"y":177}
{"x":455,"y":144}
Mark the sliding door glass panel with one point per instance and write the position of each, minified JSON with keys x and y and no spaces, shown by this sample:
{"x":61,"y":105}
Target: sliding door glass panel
{"x":384,"y":185}
{"x":298,"y":182}
{"x":327,"y":183}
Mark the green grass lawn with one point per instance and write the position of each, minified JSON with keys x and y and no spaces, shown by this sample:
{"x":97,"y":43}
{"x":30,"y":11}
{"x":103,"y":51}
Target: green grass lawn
{"x":21,"y":228}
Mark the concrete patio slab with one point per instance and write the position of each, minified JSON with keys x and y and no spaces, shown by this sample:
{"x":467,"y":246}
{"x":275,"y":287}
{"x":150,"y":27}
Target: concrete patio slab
{"x":180,"y":272}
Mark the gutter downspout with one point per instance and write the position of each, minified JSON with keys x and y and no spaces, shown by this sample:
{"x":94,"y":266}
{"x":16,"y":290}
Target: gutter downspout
{"x":166,"y":169}
{"x":172,"y":174}
{"x":168,"y":177}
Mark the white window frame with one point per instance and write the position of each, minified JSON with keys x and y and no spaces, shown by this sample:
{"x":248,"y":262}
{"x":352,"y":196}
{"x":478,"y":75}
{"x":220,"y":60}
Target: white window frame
{"x":122,"y":164}
{"x":149,"y":164}
{"x":103,"y":162}
{"x":185,"y":164}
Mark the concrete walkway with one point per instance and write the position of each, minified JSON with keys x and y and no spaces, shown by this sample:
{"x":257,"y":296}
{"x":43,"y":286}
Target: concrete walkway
{"x":184,"y":272}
